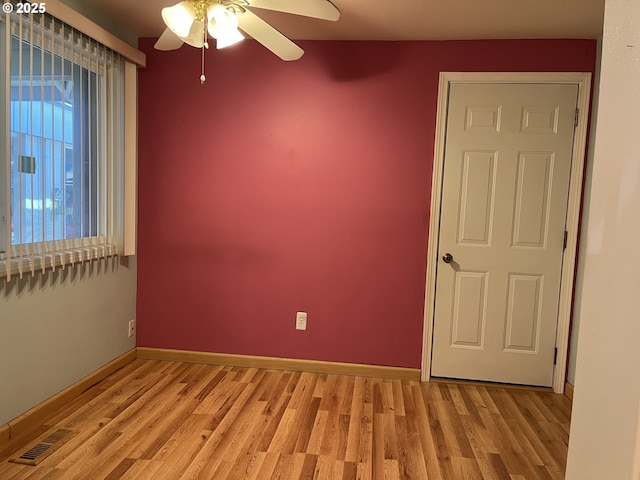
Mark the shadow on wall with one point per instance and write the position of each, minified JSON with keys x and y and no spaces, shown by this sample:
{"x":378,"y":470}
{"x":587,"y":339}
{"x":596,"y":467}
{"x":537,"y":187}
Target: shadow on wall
{"x":19,"y":287}
{"x":223,"y":253}
{"x":344,"y":61}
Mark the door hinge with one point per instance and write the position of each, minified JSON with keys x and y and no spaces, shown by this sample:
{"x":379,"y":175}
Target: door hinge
{"x":575,"y":122}
{"x":555,"y":355}
{"x":564,"y":243}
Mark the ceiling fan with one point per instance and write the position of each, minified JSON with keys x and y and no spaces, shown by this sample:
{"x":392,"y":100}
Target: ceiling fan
{"x":193,"y":21}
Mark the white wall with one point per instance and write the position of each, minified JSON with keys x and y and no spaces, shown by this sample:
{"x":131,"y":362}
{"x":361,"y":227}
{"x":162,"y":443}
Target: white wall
{"x":607,"y":384}
{"x":588,"y":177}
{"x":59,"y":327}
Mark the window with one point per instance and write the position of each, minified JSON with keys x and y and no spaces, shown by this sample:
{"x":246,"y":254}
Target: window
{"x":62,"y":129}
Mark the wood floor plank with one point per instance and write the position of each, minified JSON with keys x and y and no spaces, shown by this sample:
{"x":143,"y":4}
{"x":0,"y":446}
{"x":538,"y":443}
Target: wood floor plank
{"x":391,"y":470}
{"x":514,"y":446}
{"x":428,"y":429}
{"x":282,"y":439}
{"x":120,"y":469}
{"x":254,"y":465}
{"x":280,"y":466}
{"x":347,"y":397}
{"x":450,"y":419}
{"x":293,"y":465}
{"x":144,"y":470}
{"x":247,"y":458}
{"x":355,"y":420}
{"x":269,"y":465}
{"x":480,"y":430}
{"x":410,"y":460}
{"x":378,"y":463}
{"x":533,"y":431}
{"x":363,"y":471}
{"x":317,"y":432}
{"x":365,"y":445}
{"x":173,"y":420}
{"x":308,"y":467}
{"x":337,"y":471}
{"x":303,"y":391}
{"x":398,"y":398}
{"x":211,"y":454}
{"x":38,"y":474}
{"x":323,"y":466}
{"x":390,"y":437}
{"x":177,"y":453}
{"x":307,"y":424}
{"x":334,"y":441}
{"x":129,"y":441}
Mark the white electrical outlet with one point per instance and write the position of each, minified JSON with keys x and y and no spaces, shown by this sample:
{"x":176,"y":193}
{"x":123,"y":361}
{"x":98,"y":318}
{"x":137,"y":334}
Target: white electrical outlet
{"x":132,"y":328}
{"x":301,"y":320}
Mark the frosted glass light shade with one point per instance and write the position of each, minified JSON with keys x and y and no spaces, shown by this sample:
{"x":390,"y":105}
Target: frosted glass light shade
{"x":179,"y":18}
{"x":223,"y":26}
{"x":196,"y":35}
{"x":230,"y":37}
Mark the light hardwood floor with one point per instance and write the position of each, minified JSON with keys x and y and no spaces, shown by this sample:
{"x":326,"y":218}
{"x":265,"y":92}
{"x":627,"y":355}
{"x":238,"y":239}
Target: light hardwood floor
{"x":170,"y":420}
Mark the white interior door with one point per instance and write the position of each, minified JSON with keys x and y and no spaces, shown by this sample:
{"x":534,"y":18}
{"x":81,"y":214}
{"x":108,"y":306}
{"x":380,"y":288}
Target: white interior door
{"x":505,"y":186}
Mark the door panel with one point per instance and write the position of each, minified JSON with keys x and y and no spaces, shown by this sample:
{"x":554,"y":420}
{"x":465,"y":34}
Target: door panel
{"x":478,"y":192}
{"x":504,"y":198}
{"x":523,"y":313}
{"x":469,"y":316}
{"x":531,"y":221}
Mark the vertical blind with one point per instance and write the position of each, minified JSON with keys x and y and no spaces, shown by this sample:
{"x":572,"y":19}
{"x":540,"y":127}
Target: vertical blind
{"x":63,"y":129}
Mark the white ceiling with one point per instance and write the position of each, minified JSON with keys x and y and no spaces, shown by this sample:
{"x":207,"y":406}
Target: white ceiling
{"x":404,"y":19}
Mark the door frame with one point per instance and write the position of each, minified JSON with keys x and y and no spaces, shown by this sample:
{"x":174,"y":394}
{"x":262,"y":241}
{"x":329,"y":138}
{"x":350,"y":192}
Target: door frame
{"x":583,"y":81}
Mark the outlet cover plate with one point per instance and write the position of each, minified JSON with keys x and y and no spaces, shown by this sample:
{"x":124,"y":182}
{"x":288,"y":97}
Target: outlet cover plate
{"x":132,"y":328}
{"x":301,"y":320}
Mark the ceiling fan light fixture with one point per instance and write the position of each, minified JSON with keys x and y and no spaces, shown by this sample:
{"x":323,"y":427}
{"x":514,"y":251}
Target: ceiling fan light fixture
{"x":230,"y":37}
{"x":195,"y":38}
{"x":180,"y":18}
{"x":222,"y":25}
{"x":194,"y":21}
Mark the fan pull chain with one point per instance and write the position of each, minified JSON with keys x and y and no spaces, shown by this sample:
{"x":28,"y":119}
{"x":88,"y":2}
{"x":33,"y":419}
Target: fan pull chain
{"x":202,"y":77}
{"x":205,"y":45}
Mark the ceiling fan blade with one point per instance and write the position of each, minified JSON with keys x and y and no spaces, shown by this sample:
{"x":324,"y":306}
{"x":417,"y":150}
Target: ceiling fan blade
{"x":168,"y":41}
{"x":322,"y":9}
{"x":269,"y":36}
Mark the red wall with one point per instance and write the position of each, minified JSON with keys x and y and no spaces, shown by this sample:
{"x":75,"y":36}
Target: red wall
{"x":278,"y":187}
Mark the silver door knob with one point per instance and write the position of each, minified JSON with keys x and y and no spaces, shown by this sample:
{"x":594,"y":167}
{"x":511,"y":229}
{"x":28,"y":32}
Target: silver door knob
{"x":447,"y":258}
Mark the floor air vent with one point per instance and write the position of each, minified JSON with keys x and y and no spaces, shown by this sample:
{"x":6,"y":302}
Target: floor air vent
{"x":43,"y":448}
